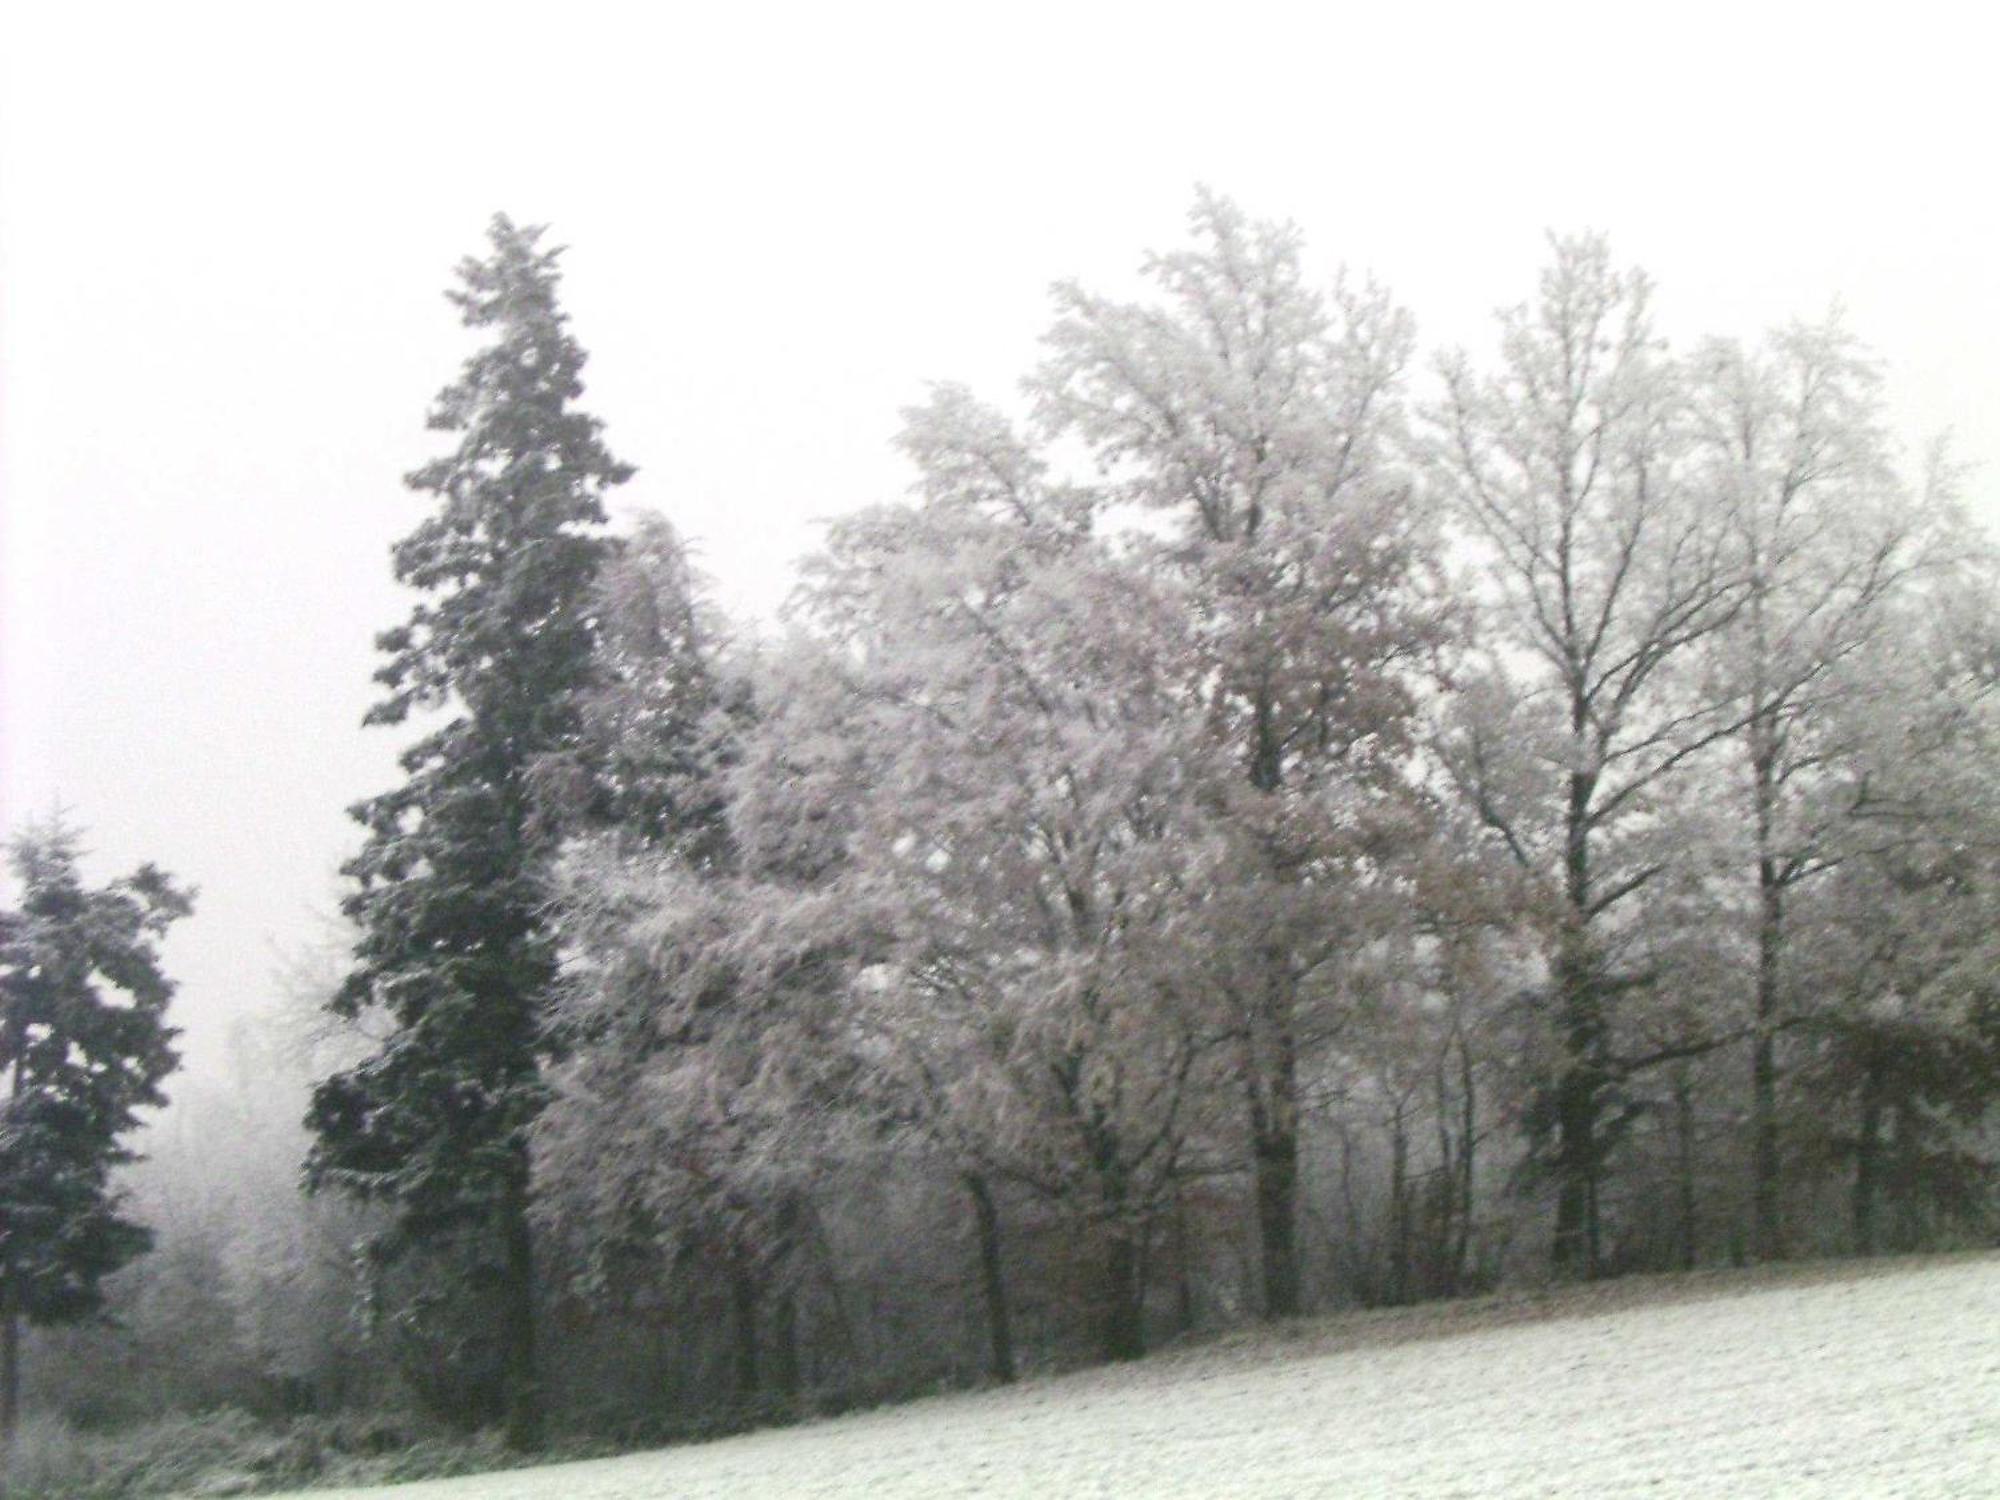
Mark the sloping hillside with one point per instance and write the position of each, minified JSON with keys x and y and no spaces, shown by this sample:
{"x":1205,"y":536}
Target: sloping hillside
{"x":1857,"y":1383}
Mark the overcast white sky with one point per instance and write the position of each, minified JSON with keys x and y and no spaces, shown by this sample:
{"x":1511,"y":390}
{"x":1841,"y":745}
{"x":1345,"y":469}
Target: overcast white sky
{"x":224,"y":233}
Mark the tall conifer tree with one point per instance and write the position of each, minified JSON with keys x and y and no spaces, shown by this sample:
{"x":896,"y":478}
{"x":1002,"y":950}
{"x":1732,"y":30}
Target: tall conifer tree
{"x":454,"y":948}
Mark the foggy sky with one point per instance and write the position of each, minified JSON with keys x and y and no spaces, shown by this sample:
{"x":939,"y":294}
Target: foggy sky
{"x":224,"y":234}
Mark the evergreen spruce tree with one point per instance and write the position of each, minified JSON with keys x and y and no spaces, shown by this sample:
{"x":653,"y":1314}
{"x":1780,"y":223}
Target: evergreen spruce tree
{"x":455,"y":950}
{"x":84,"y":1045}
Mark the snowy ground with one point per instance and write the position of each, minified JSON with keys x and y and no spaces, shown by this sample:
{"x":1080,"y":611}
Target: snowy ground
{"x":1854,"y":1385}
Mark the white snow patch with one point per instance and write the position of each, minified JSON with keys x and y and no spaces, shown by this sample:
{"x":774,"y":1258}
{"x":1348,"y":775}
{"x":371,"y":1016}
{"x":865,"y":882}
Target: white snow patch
{"x":1881,"y":1386}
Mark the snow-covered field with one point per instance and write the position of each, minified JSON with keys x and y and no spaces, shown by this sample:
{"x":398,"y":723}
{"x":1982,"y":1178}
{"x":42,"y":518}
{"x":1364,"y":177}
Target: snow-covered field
{"x":1857,"y":1386}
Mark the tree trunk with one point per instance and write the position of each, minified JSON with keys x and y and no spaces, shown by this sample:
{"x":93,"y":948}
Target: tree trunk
{"x":1441,"y":1277}
{"x":1183,"y":1264}
{"x":743,"y":1298}
{"x":1399,"y":1209}
{"x":10,"y":1388}
{"x":1765,"y":1230}
{"x":523,"y":1388}
{"x":1274,"y":1147}
{"x":1685,"y":1144}
{"x":788,"y":1234}
{"x":1461,"y":1249}
{"x":1277,"y":1155}
{"x":1905,"y":1182}
{"x":1122,"y":1325}
{"x":1358,"y":1254}
{"x":1867,"y":1160}
{"x":1578,"y":1087}
{"x":992,"y":1280}
{"x":10,"y":1310}
{"x":785,"y":1363}
{"x":1578,"y":1101}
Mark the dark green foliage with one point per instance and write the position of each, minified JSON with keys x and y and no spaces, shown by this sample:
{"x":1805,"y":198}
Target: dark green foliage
{"x":455,"y":949}
{"x":447,"y":1344}
{"x":1903,"y":1062}
{"x":79,"y":1065}
{"x":84,"y":1046}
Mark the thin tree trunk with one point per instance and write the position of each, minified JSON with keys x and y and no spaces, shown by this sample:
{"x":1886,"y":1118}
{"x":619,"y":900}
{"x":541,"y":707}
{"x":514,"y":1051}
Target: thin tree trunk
{"x":1765,"y":1230}
{"x":1763,"y":739}
{"x":1594,"y":1222}
{"x":523,"y":1387}
{"x":1867,"y":1161}
{"x":992,"y":1280}
{"x":1399,"y":1209}
{"x":1685,"y":1143}
{"x":743,"y":1299}
{"x":785,"y":1364}
{"x":785,"y":1359}
{"x":1468,"y":1125}
{"x":1578,"y":1086}
{"x":1183,"y":1264}
{"x":1274,"y":1146}
{"x":1359,"y":1257}
{"x":1905,"y":1181}
{"x":10,"y":1388}
{"x":10,"y":1310}
{"x":1441,"y":1280}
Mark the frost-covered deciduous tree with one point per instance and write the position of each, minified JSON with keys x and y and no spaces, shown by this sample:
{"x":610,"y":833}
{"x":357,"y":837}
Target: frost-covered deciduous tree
{"x":658,"y":718}
{"x":84,"y":1046}
{"x":1831,"y":547}
{"x":1898,"y":1040}
{"x":1602,"y":566}
{"x":1026,"y":835}
{"x":455,"y":944}
{"x":1258,"y":423}
{"x":695,"y":1120}
{"x":689,"y":1133}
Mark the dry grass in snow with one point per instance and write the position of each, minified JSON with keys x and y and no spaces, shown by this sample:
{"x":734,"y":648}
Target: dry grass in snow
{"x":1856,"y":1382}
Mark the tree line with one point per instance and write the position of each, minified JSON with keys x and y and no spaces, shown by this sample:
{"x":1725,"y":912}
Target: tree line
{"x":1275,"y":823}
